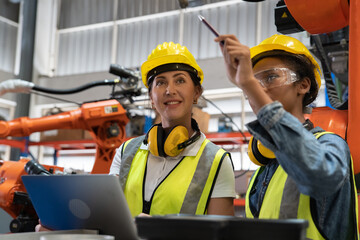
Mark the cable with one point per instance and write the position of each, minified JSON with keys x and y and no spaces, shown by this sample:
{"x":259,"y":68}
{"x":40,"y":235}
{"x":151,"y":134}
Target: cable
{"x":77,"y":89}
{"x":231,"y":120}
{"x":330,"y":87}
{"x":243,"y":173}
{"x":227,"y":116}
{"x":60,"y":99}
{"x":32,"y":156}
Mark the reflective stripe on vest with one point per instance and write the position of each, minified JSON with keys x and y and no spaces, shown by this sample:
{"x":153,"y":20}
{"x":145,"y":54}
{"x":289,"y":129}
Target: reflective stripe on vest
{"x":283,"y":200}
{"x":127,"y":157}
{"x":189,"y":184}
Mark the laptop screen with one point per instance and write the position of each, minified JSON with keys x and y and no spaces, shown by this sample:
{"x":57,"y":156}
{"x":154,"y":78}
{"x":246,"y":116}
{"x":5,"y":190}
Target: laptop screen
{"x":94,"y":201}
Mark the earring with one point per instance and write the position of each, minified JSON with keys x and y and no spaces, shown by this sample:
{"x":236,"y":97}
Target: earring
{"x":195,"y":101}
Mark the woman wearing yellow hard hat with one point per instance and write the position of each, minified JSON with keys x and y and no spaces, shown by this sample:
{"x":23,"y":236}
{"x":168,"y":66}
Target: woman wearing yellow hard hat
{"x":309,"y":173}
{"x":174,"y":168}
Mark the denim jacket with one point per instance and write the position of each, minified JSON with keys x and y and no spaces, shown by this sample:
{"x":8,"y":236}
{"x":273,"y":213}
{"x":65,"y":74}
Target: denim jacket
{"x":320,"y":168}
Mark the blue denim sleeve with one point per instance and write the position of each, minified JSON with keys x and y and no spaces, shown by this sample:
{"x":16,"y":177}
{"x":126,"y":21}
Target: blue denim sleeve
{"x":318,"y":166}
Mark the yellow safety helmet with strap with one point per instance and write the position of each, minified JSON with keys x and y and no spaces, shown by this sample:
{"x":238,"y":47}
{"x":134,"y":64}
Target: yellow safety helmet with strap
{"x":287,"y":44}
{"x":169,"y":57}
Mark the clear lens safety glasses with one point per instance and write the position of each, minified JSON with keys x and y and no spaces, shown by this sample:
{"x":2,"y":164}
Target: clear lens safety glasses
{"x":276,"y":77}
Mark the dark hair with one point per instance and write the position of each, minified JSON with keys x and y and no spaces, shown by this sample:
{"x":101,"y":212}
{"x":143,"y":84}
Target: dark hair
{"x":298,"y":63}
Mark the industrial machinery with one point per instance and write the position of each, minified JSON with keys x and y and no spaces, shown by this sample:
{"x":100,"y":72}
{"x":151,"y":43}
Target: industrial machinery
{"x":334,"y":28}
{"x":327,"y":20}
{"x":105,"y":120}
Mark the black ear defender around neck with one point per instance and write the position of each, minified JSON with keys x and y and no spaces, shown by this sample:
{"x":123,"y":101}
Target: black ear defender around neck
{"x":173,"y":143}
{"x":260,"y":155}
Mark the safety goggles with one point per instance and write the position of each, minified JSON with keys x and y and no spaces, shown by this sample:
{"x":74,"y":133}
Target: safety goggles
{"x":276,"y":77}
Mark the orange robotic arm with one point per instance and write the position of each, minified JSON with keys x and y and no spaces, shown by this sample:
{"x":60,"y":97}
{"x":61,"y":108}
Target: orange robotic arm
{"x":11,"y":183}
{"x":105,"y":120}
{"x":13,"y":196}
{"x":330,"y":16}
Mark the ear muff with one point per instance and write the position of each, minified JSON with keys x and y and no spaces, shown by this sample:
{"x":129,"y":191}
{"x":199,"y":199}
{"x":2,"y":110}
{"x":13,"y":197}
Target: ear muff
{"x":261,"y":155}
{"x":172,"y":144}
{"x":258,"y":153}
{"x":178,"y":135}
{"x":154,"y":138}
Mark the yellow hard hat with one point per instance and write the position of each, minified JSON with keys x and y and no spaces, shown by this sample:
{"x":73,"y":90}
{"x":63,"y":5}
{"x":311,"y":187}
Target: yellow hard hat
{"x":287,"y":44}
{"x":174,"y":56}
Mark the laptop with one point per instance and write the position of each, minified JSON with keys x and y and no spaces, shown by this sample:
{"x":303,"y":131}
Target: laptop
{"x":94,"y":201}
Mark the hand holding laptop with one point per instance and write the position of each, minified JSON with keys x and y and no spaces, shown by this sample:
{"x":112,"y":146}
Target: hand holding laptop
{"x":41,"y":228}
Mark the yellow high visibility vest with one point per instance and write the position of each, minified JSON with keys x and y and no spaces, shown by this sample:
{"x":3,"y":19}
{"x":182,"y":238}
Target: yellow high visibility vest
{"x":283,"y":200}
{"x":187,"y":188}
